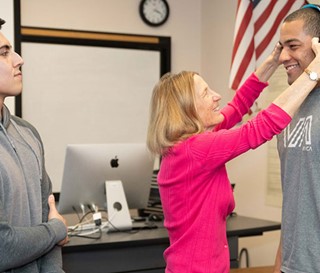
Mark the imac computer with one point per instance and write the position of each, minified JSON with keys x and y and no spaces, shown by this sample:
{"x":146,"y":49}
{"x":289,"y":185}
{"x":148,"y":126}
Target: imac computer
{"x":88,"y":166}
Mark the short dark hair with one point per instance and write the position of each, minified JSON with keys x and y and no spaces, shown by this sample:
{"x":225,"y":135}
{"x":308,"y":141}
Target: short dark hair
{"x":2,"y":22}
{"x":310,"y":17}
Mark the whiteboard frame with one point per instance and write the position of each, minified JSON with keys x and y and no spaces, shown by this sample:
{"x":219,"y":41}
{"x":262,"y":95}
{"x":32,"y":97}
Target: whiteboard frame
{"x":49,"y":36}
{"x":161,"y":44}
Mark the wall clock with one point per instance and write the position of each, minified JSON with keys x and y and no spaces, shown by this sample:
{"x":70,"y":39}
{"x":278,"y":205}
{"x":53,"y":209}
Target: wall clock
{"x":154,"y":12}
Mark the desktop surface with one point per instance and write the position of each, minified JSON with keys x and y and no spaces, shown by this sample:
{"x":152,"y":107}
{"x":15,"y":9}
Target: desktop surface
{"x":240,"y":226}
{"x":132,"y":251}
{"x":110,"y":239}
{"x":243,"y":226}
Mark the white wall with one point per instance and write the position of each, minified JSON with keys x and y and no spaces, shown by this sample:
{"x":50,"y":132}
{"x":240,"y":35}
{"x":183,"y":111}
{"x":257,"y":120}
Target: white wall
{"x":184,"y":25}
{"x":217,"y":24}
{"x":202,"y":34}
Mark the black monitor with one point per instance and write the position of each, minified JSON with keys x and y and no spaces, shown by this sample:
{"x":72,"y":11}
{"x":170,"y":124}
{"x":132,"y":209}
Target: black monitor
{"x":88,"y":166}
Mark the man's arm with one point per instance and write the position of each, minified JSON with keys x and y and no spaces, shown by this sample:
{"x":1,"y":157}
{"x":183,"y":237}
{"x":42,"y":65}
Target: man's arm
{"x":21,"y":245}
{"x":52,"y":261}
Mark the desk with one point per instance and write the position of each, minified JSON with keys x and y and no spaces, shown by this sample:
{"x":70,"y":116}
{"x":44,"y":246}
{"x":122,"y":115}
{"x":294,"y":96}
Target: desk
{"x":142,"y":252}
{"x":240,"y":226}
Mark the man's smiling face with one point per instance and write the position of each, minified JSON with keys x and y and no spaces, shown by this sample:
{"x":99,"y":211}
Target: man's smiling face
{"x":297,"y":53}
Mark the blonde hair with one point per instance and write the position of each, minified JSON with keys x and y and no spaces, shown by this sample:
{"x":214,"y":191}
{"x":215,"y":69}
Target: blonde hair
{"x":173,"y":115}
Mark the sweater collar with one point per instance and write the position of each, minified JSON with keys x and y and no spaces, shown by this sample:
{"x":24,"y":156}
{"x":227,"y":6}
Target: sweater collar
{"x":5,"y":116}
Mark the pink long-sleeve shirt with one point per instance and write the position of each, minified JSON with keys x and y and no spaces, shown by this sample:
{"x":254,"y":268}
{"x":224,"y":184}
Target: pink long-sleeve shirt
{"x":195,"y":191}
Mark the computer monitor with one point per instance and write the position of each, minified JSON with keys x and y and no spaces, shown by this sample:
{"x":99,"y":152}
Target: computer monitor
{"x":88,"y":166}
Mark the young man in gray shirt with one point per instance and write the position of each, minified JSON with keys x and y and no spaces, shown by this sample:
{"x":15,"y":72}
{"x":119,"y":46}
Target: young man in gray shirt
{"x":299,"y":150}
{"x":31,"y":229}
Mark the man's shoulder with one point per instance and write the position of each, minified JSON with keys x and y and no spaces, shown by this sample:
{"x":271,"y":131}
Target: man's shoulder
{"x":23,"y":123}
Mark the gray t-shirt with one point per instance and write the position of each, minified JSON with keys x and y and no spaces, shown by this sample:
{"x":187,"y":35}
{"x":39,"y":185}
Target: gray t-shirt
{"x":299,"y":151}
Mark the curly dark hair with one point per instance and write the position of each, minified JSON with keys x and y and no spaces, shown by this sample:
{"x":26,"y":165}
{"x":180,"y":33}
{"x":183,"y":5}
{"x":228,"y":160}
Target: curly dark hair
{"x":2,"y":22}
{"x":310,"y":17}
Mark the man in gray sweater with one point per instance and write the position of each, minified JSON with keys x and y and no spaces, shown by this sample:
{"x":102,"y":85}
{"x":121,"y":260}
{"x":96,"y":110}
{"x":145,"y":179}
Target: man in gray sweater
{"x":31,"y":229}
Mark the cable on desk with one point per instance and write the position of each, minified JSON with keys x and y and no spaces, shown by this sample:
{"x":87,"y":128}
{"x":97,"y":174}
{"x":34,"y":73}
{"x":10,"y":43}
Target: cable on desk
{"x":117,"y":229}
{"x":86,"y":235}
{"x":77,"y":231}
{"x":244,"y":250}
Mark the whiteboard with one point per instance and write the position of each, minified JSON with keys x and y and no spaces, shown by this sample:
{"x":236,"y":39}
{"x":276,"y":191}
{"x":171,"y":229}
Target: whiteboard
{"x":85,"y":94}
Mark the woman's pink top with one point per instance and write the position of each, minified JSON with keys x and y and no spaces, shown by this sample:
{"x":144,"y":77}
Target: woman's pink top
{"x":195,"y":191}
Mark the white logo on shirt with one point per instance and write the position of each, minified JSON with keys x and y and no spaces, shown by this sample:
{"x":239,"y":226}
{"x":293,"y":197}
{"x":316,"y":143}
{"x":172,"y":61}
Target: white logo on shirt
{"x":300,"y":135}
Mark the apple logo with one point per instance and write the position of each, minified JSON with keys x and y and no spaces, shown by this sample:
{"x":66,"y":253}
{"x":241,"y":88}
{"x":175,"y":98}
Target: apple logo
{"x":114,"y":162}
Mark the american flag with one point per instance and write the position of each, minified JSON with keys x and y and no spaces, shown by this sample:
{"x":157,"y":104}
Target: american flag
{"x":256,"y":33}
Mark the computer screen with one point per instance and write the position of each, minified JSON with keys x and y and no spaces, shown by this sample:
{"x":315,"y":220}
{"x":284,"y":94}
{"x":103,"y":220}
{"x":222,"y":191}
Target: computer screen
{"x":88,"y":166}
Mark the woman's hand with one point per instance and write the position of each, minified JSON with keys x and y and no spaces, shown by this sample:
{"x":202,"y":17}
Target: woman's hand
{"x":271,"y":63}
{"x":315,"y":45}
{"x":314,"y":65}
{"x":274,"y":56}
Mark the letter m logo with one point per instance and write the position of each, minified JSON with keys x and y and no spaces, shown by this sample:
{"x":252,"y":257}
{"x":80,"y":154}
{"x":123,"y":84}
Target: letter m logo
{"x":300,"y":135}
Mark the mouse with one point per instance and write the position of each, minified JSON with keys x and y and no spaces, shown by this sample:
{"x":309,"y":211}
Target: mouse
{"x":155,"y":217}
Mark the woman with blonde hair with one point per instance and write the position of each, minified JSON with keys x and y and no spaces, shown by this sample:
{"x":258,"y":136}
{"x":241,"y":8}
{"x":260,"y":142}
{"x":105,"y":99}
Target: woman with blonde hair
{"x":195,"y":140}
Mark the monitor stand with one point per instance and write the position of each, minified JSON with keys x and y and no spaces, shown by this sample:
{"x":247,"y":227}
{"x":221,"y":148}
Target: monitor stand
{"x":118,"y":211}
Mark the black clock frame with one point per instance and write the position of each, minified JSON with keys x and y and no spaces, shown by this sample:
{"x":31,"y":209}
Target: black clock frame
{"x":144,"y":19}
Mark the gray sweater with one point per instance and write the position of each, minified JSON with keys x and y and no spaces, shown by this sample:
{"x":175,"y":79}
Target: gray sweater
{"x":27,"y":239}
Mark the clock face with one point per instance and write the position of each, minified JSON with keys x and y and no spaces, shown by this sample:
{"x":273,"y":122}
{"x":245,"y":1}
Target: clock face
{"x":154,"y":12}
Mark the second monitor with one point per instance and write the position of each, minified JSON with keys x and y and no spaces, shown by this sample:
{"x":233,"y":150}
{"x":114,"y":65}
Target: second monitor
{"x":88,"y":166}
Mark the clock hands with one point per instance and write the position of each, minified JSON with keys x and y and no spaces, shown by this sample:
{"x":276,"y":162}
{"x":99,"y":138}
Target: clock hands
{"x":157,"y":11}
